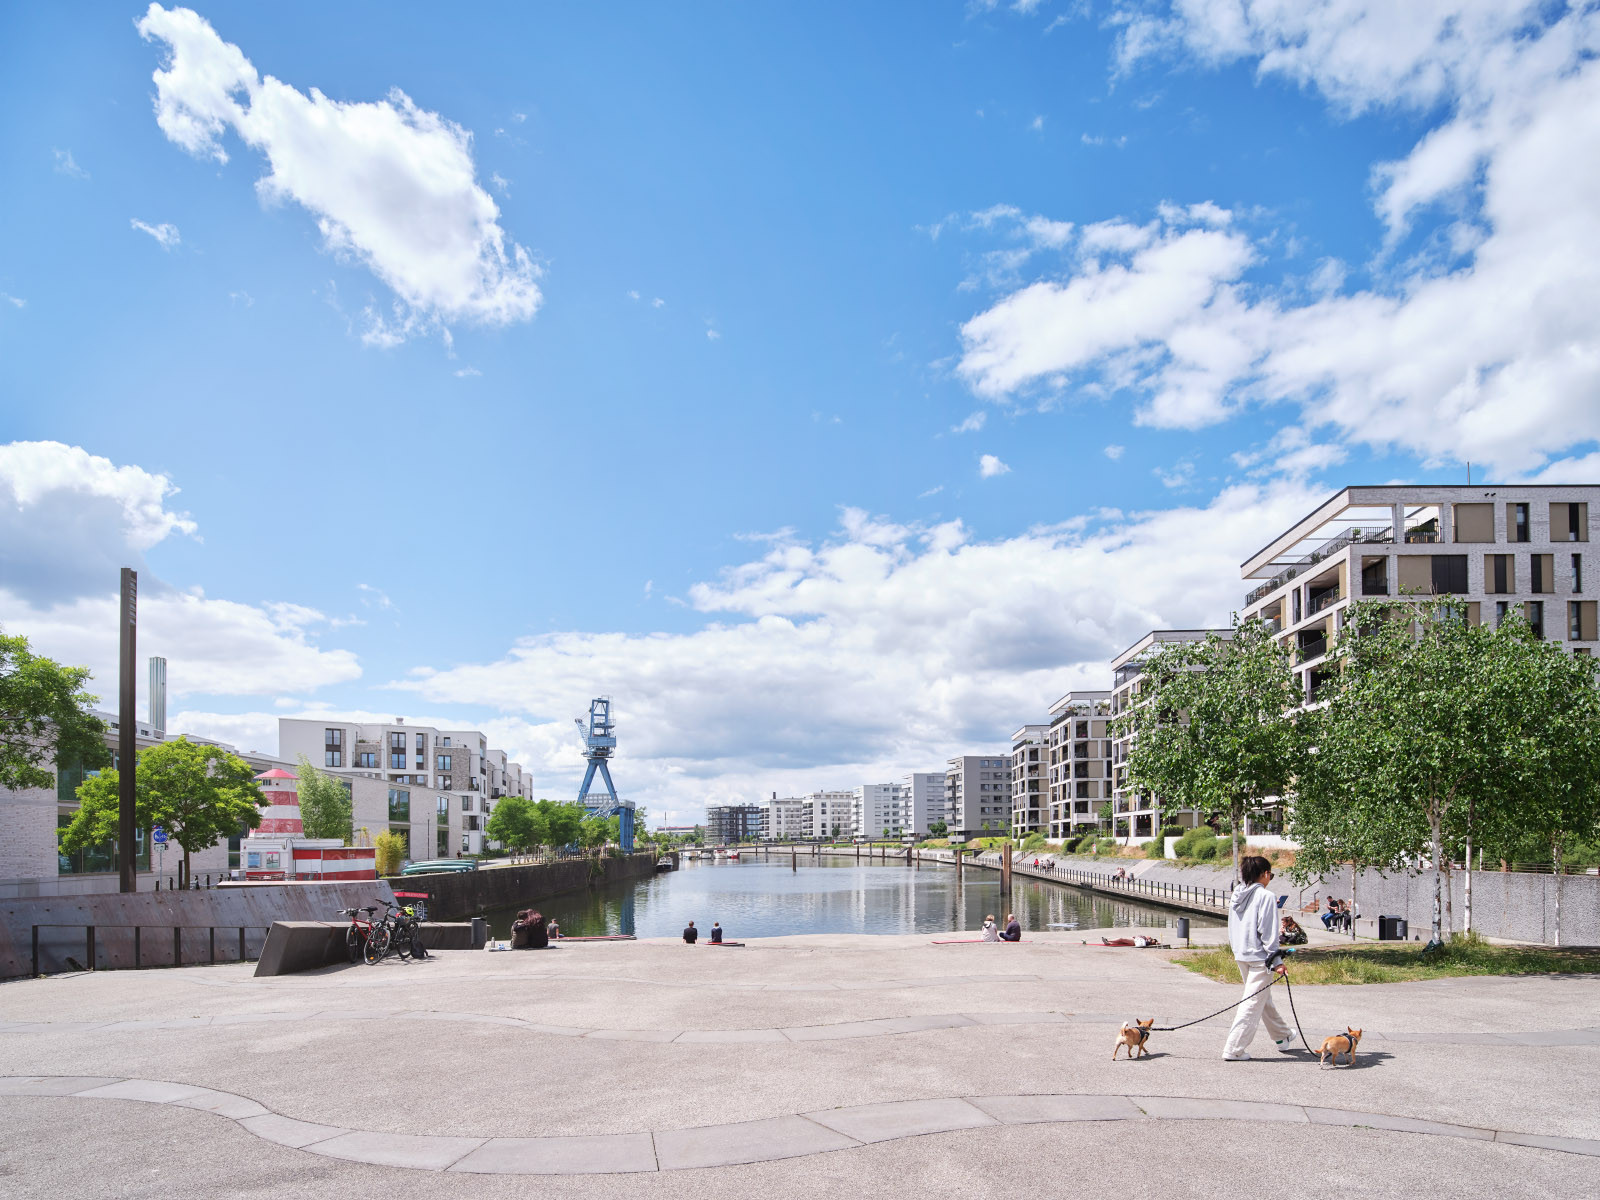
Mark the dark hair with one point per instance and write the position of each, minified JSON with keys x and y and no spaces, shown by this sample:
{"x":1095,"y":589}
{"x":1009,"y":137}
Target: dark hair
{"x":1252,"y":867}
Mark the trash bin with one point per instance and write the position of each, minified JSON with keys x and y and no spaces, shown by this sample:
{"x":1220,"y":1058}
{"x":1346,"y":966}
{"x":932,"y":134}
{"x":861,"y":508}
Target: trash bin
{"x":1392,"y":928}
{"x":1183,"y":928}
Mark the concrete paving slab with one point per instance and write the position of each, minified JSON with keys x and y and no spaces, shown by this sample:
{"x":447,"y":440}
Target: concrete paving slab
{"x":1545,"y":1142}
{"x":150,"y":1091}
{"x":634,"y":1035}
{"x":602,"y":1154}
{"x":224,"y":1104}
{"x":1028,"y":1110}
{"x":720,"y":1036}
{"x":1338,"y":1116}
{"x":902,"y":1118}
{"x":746,"y":1142}
{"x":288,"y":1132}
{"x":1463,"y":1038}
{"x":1183,"y":1108}
{"x":45,"y":1085}
{"x":1554,"y":1037}
{"x":419,"y":1151}
{"x":1015,"y":1018}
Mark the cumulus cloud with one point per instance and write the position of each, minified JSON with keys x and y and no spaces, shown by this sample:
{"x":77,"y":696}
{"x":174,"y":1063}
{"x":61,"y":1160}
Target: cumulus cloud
{"x":885,"y":648}
{"x":164,"y":233}
{"x":989,"y":466}
{"x":1114,"y":452}
{"x":67,"y":165}
{"x":972,"y":423}
{"x":1479,"y":345}
{"x":390,"y":185}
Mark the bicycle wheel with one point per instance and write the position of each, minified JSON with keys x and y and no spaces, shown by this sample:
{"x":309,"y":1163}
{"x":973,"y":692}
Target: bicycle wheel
{"x":401,"y":941}
{"x":377,"y":945}
{"x":353,"y":943}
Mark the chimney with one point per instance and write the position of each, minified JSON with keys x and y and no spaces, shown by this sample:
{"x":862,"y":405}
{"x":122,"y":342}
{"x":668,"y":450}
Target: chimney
{"x":399,"y":720}
{"x":158,"y":694}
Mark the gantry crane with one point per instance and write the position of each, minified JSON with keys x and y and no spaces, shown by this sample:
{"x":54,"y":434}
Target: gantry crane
{"x":599,"y":743}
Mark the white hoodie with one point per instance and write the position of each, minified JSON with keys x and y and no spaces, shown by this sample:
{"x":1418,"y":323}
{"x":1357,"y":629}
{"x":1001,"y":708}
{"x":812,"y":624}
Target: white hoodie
{"x":1253,"y":927}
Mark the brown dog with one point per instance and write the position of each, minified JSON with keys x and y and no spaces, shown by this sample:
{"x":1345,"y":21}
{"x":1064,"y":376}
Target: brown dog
{"x":1341,"y":1043}
{"x":1133,"y":1035}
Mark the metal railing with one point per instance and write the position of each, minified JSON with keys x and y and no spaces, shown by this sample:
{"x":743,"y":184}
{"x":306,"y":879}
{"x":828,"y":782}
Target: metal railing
{"x":90,"y":955}
{"x":1324,"y":600}
{"x":1211,"y":900}
{"x":1350,"y":537}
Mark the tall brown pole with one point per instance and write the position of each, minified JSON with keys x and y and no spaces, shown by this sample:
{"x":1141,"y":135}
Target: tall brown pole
{"x":127,"y":726}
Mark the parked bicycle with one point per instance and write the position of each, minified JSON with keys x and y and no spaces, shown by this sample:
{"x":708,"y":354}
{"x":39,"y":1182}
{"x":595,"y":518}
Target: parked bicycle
{"x":359,"y":935}
{"x":396,"y":932}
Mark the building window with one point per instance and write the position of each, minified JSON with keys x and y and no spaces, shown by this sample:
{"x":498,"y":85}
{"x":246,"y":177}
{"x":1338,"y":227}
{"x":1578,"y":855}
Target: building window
{"x":422,"y":744}
{"x":1535,"y":611}
{"x":332,"y":758}
{"x":444,"y":762}
{"x":1502,"y":574}
{"x":397,"y":741}
{"x":1543,"y":572}
{"x":366,"y":758}
{"x":1449,"y":574}
{"x":1519,"y":522}
{"x":444,"y":741}
{"x":1574,"y":621}
{"x":397,"y":762}
{"x":466,"y":804}
{"x":399,"y":805}
{"x":333,"y":737}
{"x":1577,"y":572}
{"x":444,"y":809}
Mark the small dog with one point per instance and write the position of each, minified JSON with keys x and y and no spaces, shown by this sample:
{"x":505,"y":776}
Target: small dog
{"x":1133,"y":1036}
{"x":1341,"y":1043}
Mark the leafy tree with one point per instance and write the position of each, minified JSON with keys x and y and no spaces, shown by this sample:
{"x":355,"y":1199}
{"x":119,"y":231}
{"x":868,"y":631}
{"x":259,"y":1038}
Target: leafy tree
{"x":389,"y":848}
{"x":1213,"y":724}
{"x":196,"y":793}
{"x":44,"y":718}
{"x":1103,"y":815}
{"x":325,"y":806}
{"x":937,"y":829}
{"x":563,"y":822}
{"x":517,"y":824}
{"x":597,"y":831}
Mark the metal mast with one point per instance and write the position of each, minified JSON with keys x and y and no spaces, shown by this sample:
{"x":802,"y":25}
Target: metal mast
{"x":599,"y":743}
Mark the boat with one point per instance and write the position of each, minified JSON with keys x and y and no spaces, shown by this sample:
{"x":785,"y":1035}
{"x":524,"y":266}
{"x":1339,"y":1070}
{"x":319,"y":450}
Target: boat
{"x":664,"y":864}
{"x":733,"y":854}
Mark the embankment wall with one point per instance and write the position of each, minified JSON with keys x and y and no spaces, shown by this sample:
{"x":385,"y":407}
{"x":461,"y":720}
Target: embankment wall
{"x":455,"y":896}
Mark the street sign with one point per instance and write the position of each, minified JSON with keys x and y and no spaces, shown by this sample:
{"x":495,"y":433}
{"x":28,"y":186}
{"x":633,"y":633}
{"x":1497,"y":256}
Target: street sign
{"x":158,"y":835}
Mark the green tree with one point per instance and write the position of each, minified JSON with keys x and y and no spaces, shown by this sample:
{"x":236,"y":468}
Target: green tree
{"x":937,"y":829}
{"x":44,"y":718}
{"x":389,"y":848}
{"x":1213,"y":726}
{"x":563,"y":822}
{"x":196,"y":793}
{"x":517,"y":824}
{"x":325,"y":806}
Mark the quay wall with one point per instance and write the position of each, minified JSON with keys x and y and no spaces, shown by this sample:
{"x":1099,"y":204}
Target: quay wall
{"x":457,"y":895}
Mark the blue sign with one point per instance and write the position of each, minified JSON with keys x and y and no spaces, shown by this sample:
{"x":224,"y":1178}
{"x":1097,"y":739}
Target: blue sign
{"x":158,"y":835}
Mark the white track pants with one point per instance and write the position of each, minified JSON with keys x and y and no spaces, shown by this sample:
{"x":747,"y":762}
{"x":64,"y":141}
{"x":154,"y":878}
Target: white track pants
{"x":1253,"y":1011}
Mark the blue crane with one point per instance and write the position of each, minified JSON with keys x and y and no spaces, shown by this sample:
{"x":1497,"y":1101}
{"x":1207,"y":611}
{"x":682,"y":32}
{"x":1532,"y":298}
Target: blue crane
{"x":599,"y":743}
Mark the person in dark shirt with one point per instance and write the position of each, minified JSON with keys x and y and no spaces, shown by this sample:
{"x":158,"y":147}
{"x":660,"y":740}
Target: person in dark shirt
{"x":716,"y":931}
{"x":690,"y":933}
{"x":1013,"y":931}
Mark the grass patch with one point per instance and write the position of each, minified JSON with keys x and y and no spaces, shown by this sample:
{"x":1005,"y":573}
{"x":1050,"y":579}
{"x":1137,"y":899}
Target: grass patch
{"x":1392,"y":962}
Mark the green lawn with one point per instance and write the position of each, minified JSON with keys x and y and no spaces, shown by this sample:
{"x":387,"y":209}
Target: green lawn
{"x":1394,"y":962}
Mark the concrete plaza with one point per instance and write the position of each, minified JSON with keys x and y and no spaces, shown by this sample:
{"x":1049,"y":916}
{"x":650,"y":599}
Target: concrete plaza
{"x":814,"y":1066}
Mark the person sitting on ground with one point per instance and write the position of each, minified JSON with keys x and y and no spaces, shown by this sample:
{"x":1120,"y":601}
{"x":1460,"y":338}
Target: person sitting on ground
{"x":555,"y":928}
{"x":1331,"y":917}
{"x":991,"y":931}
{"x":690,"y":933}
{"x":1013,"y":931}
{"x":1291,"y":934}
{"x":528,"y":931}
{"x":716,"y":932}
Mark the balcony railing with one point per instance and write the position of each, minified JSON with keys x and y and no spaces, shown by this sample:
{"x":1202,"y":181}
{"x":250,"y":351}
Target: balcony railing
{"x":1350,"y":537}
{"x":1324,"y":600}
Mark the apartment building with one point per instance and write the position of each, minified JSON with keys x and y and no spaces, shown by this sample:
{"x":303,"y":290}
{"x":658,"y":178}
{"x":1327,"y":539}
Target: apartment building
{"x":440,"y":784}
{"x":783,"y":818}
{"x":1136,"y":815}
{"x":925,"y":800}
{"x":977,"y":795}
{"x":830,"y":814}
{"x":1080,"y":761}
{"x":728,"y":823}
{"x":1497,"y":548}
{"x":1030,"y":780}
{"x":881,"y":806}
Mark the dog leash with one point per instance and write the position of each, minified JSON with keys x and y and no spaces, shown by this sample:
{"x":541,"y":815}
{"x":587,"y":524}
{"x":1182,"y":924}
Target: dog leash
{"x":1287,"y":987}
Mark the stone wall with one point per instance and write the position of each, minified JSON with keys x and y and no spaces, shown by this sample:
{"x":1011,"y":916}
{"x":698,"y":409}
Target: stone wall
{"x":456,"y":895}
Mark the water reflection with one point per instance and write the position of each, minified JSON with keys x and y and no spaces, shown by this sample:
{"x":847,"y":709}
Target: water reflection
{"x":752,"y":897}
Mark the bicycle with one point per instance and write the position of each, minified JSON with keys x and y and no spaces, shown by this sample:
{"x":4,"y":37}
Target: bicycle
{"x":396,"y":931}
{"x":359,"y":935}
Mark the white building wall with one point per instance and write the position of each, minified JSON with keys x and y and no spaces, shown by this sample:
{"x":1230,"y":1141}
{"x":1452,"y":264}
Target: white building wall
{"x":925,"y":799}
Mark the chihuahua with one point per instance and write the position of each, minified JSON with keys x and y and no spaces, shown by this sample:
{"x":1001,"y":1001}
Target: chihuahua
{"x":1341,"y":1043}
{"x":1133,"y":1036}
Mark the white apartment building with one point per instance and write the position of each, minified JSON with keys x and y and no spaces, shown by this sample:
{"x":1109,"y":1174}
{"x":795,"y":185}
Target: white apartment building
{"x":783,"y":819}
{"x":977,"y":795}
{"x":1030,"y":780}
{"x":1136,"y":815}
{"x":925,"y":798}
{"x":1080,"y":761}
{"x":830,"y":814}
{"x":441,"y":784}
{"x":1495,"y":547}
{"x":879,"y":807}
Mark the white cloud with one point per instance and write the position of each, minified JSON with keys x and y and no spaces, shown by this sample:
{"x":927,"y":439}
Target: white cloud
{"x":633,"y":294}
{"x":933,"y":491}
{"x":1036,"y":124}
{"x":884,"y":649}
{"x":242,"y":297}
{"x":164,"y":233}
{"x":1479,"y":345}
{"x":14,"y":301}
{"x":374,"y":597}
{"x":67,"y":165}
{"x":713,"y":335}
{"x":390,"y":184}
{"x":1114,"y":452}
{"x":501,"y":183}
{"x":989,"y":466}
{"x":70,"y":520}
{"x":658,"y":302}
{"x":973,"y":423}
{"x":467,"y":372}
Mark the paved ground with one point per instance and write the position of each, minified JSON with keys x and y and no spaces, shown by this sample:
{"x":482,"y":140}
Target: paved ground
{"x":847,"y":1062}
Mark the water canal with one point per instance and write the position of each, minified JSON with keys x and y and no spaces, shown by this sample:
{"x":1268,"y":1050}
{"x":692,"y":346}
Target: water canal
{"x":753,"y":897}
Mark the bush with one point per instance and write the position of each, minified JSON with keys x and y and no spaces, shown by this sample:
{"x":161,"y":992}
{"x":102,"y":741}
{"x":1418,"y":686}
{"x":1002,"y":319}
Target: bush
{"x":389,"y":849}
{"x":1035,"y":841}
{"x":1154,"y":848}
{"x":1106,"y":845}
{"x":1173,"y":831}
{"x":1208,"y":849}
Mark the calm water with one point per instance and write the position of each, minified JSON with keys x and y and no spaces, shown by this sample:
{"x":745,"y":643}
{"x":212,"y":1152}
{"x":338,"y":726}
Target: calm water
{"x":756,"y":898}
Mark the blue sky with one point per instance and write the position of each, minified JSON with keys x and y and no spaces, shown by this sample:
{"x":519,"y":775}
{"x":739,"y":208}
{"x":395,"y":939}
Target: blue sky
{"x":555,"y":351}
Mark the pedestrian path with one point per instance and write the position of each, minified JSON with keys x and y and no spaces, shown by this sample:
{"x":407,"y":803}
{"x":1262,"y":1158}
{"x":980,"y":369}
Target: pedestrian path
{"x":836,"y":1031}
{"x":772,"y":1138}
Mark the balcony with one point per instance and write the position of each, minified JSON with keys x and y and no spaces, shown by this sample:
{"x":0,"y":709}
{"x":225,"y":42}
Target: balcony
{"x":1310,"y":648}
{"x":1351,"y":537}
{"x":1322,"y":600}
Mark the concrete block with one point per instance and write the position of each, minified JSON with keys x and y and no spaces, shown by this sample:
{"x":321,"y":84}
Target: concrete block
{"x":418,"y":1151}
{"x":746,"y":1142}
{"x":150,"y":1091}
{"x":602,"y":1154}
{"x":224,"y":1104}
{"x":448,"y":935}
{"x":302,"y":946}
{"x":288,"y":1132}
{"x":1029,"y":1110}
{"x":1546,"y":1142}
{"x":902,"y":1118}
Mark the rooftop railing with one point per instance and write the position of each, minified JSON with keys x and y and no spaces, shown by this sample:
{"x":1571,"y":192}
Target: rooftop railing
{"x":1350,"y":537}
